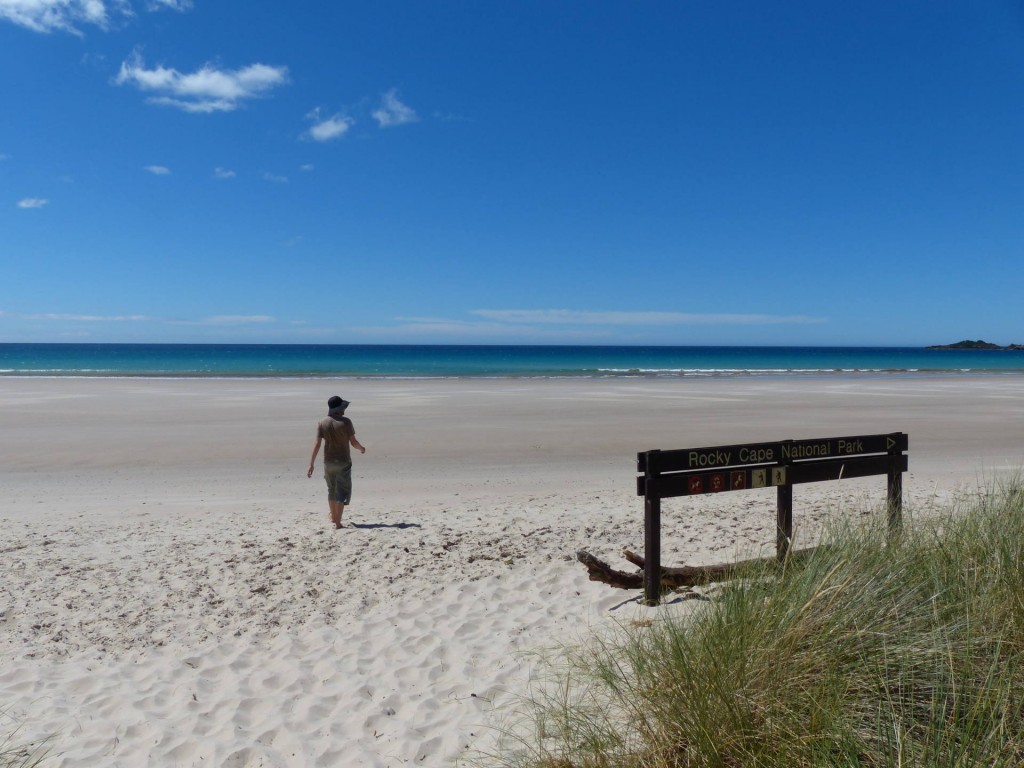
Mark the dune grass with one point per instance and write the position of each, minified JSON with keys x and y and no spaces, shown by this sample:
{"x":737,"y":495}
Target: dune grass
{"x":871,"y":652}
{"x":17,"y":755}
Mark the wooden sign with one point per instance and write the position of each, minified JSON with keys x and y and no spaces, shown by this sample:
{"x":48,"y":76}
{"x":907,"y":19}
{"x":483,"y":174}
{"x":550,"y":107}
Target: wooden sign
{"x":782,"y":464}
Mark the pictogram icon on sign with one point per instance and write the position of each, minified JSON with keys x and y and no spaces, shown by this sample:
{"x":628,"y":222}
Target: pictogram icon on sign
{"x":778,"y":476}
{"x":738,"y":481}
{"x":759,"y":478}
{"x":696,"y":485}
{"x":718,"y":483}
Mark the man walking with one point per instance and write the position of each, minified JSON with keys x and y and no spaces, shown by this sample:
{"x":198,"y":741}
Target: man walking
{"x":336,"y":433}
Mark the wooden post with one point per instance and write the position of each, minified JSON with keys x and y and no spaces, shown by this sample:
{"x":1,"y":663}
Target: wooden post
{"x":784,"y":520}
{"x":784,"y":511}
{"x":652,"y":549}
{"x":652,"y":534}
{"x":895,"y":496}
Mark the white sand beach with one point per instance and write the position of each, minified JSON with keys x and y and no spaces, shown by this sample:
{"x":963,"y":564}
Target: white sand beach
{"x":172,"y":594}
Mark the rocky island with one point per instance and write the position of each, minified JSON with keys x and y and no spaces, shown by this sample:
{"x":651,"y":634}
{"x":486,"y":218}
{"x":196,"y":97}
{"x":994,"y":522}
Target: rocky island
{"x":979,"y":344}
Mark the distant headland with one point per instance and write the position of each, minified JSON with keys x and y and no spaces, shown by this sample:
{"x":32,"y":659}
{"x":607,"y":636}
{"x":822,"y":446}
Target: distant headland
{"x":979,"y":344}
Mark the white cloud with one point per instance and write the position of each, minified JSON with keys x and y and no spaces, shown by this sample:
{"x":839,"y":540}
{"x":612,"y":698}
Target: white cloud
{"x":33,"y":202}
{"x":275,"y":178}
{"x":393,"y":112}
{"x":158,"y":170}
{"x":65,"y":317}
{"x":69,"y":15}
{"x":63,"y":15}
{"x":218,"y":320}
{"x":174,"y":5}
{"x":561,"y":326}
{"x":307,"y":167}
{"x":223,"y":173}
{"x":575,"y":317}
{"x":327,"y":129}
{"x":238,"y":319}
{"x":440,"y":328}
{"x":207,"y":90}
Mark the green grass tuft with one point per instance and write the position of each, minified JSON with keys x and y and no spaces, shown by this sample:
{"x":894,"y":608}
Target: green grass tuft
{"x":870,"y":653}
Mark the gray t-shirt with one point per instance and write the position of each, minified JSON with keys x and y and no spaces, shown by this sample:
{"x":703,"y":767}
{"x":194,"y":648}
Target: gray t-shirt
{"x":336,"y":431}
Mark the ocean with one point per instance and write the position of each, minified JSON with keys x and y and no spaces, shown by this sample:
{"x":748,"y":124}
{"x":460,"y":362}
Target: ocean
{"x":440,"y":361}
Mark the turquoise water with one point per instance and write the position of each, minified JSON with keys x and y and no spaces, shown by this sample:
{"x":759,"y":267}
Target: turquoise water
{"x":425,"y":361}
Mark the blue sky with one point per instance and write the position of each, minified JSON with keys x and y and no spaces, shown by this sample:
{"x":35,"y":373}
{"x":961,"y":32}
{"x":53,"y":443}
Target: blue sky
{"x":686,"y":172}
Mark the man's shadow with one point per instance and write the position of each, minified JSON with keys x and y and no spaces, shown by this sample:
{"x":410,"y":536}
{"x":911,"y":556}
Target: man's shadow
{"x":400,"y":526}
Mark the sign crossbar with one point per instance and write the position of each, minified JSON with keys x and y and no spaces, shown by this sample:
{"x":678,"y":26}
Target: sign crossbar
{"x":770,"y":453}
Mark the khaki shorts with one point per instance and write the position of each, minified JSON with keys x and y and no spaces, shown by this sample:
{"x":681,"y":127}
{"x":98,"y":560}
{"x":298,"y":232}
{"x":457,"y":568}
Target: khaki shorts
{"x":338,"y":475}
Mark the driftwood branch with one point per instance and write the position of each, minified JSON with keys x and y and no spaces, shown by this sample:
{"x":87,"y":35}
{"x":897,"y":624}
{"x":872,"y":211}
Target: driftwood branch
{"x":671,"y":577}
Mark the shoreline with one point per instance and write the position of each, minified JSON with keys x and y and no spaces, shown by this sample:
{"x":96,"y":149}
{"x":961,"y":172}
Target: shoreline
{"x":172,"y":594}
{"x":513,"y":362}
{"x":668,"y":375}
